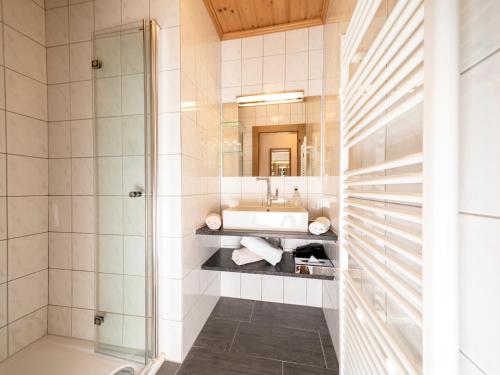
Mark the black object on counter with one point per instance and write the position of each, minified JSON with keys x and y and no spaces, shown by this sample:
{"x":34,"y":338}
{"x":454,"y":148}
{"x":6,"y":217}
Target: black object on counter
{"x":316,"y":250}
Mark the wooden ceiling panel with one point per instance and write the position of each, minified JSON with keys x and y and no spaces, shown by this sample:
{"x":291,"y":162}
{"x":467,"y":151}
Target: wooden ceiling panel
{"x":248,"y":15}
{"x":241,"y":18}
{"x":297,"y":10}
{"x":280,"y":11}
{"x":264,"y":11}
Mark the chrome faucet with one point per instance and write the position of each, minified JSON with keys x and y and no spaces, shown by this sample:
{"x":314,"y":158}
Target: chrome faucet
{"x":269,"y":195}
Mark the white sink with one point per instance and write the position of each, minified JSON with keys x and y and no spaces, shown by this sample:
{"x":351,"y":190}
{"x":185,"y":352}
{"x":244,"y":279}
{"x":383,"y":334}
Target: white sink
{"x":284,"y":219}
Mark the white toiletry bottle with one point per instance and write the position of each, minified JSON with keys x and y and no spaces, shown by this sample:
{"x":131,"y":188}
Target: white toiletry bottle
{"x":296,"y":197}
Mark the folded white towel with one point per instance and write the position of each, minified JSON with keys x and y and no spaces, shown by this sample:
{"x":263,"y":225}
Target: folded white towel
{"x":214,"y":221}
{"x":319,"y":226}
{"x":263,"y":249}
{"x":244,"y":256}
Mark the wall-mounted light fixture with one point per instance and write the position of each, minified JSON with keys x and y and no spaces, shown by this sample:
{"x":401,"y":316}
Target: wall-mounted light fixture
{"x":275,"y":98}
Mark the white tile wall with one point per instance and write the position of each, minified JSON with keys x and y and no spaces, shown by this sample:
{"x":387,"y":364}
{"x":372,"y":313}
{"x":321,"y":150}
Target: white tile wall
{"x":24,"y":176}
{"x":479,"y":183}
{"x":479,"y":180}
{"x":280,"y":289}
{"x":69,"y":98}
{"x":189,"y":147}
{"x":272,"y":288}
{"x":273,"y":62}
{"x":251,"y":286}
{"x":59,"y":320}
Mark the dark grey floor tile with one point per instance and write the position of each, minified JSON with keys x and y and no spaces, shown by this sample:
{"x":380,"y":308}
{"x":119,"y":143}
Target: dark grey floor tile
{"x":203,"y":361}
{"x":233,"y":309}
{"x":281,"y":343}
{"x":297,"y":369}
{"x":217,"y":334}
{"x":168,"y":368}
{"x":294,"y":316}
{"x":329,"y":350}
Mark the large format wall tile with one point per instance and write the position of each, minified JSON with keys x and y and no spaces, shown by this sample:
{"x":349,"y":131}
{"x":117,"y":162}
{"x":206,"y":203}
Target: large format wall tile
{"x":81,"y":22}
{"x":59,"y":320}
{"x":60,"y":213}
{"x":60,"y":250}
{"x":27,"y":215}
{"x":25,"y":95}
{"x":82,"y":324}
{"x":27,"y":330}
{"x":479,"y":30}
{"x":27,"y":255}
{"x":59,"y":102}
{"x":480,"y":130}
{"x":25,"y":55}
{"x":26,"y":17}
{"x":57,"y":26}
{"x":27,"y":294}
{"x":60,"y":287}
{"x":479,"y":281}
{"x":58,"y":64}
{"x":27,"y":176}
{"x":83,"y":289}
{"x":26,"y":136}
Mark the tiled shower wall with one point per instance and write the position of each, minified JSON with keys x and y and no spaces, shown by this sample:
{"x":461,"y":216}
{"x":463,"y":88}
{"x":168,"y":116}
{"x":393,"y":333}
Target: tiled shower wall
{"x":23,"y":176}
{"x":189,"y":162}
{"x":71,"y":214}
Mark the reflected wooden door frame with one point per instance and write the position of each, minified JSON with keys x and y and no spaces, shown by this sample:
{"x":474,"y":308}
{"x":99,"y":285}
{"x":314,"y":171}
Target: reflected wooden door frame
{"x":299,"y":129}
{"x":282,"y":149}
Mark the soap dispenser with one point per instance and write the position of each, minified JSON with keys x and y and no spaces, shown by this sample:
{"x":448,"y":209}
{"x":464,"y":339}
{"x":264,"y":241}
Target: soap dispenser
{"x":296,"y":197}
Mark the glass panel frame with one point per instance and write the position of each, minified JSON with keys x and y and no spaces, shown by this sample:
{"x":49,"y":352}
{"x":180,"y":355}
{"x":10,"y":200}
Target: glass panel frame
{"x":134,"y":237}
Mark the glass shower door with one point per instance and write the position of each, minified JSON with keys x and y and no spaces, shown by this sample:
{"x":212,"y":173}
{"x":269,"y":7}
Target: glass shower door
{"x":122,"y":186}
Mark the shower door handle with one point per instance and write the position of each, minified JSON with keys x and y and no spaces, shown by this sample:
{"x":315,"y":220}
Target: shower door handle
{"x":135,"y":194}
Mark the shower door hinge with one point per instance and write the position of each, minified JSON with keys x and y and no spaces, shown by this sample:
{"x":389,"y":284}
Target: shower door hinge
{"x":98,"y":320}
{"x":96,"y":64}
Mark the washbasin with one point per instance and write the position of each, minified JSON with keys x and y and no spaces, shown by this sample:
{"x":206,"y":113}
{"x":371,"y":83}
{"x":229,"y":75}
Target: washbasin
{"x":293,"y":219}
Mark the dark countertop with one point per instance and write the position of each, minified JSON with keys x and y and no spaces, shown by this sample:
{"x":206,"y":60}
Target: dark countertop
{"x":328,"y":236}
{"x":221,"y":261}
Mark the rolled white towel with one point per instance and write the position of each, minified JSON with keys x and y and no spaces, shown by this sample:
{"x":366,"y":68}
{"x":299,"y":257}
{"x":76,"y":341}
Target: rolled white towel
{"x":244,"y":256}
{"x":319,"y":226}
{"x":263,"y":249}
{"x":214,"y":221}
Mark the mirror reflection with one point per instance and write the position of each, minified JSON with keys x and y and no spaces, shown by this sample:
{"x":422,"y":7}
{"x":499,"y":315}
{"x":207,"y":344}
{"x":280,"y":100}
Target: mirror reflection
{"x":280,"y":158}
{"x":272,"y":139}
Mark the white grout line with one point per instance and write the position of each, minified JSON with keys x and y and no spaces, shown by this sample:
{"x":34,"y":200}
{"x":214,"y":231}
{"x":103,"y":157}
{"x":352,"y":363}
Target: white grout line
{"x":234,"y":337}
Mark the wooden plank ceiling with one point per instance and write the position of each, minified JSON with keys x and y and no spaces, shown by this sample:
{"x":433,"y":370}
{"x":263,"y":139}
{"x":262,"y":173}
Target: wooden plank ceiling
{"x":242,"y":18}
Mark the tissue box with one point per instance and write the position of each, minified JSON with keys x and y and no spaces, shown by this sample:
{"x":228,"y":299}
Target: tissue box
{"x":322,"y":267}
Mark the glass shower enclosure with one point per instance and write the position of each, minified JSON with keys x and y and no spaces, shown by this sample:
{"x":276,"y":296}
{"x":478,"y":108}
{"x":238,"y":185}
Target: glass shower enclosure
{"x":124,"y":87}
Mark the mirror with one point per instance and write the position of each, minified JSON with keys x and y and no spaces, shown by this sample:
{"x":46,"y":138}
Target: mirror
{"x":272,"y":139}
{"x":280,"y":161}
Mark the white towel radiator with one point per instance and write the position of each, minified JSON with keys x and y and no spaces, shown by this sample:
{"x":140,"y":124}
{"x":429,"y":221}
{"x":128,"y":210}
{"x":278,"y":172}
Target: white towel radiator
{"x":395,"y":294}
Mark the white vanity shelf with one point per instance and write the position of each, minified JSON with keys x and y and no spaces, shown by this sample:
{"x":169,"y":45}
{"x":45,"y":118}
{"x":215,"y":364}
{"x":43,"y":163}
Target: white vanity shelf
{"x":328,"y":236}
{"x":221,"y":259}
